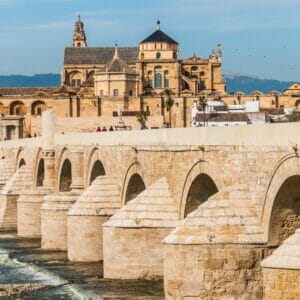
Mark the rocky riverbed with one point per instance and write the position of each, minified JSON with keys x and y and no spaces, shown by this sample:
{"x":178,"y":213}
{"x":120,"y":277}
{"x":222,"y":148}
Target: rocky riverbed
{"x":28,"y":272}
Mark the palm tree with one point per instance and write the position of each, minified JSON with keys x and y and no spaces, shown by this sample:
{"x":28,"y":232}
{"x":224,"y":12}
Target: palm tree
{"x":169,"y":104}
{"x":142,"y":117}
{"x":203,"y":103}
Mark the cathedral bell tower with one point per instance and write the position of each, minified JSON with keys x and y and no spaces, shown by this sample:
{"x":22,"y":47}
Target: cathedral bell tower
{"x":79,"y":38}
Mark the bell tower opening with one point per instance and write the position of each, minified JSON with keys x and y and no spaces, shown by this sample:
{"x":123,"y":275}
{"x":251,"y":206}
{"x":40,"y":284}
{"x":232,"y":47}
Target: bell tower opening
{"x":79,"y":37}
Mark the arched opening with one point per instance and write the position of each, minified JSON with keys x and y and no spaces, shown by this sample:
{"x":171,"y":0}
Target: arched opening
{"x":22,"y":163}
{"x":2,"y":109}
{"x":158,"y":55}
{"x":201,"y":189}
{"x":75,"y":79}
{"x":142,"y":56}
{"x":97,"y":170}
{"x":285,"y":216}
{"x":65,"y":177}
{"x":297,"y":104}
{"x":40,"y":173}
{"x":37,"y":108}
{"x":17,"y":108}
{"x":135,"y":186}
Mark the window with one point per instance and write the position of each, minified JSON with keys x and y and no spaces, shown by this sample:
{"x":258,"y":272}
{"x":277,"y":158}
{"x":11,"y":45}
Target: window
{"x":18,"y":111}
{"x":158,"y":68}
{"x":39,"y":111}
{"x":158,"y":80}
{"x":101,"y":93}
{"x":150,"y":82}
{"x":76,"y":82}
{"x":166,"y":72}
{"x":116,"y":92}
{"x":150,"y":73}
{"x":166,"y":82}
{"x":158,"y":55}
{"x":201,"y":86}
{"x":79,"y":45}
{"x":194,"y":68}
{"x":142,"y":56}
{"x":202,"y":73}
{"x":130,"y":93}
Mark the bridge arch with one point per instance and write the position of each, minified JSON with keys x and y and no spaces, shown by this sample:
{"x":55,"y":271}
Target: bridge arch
{"x":134,"y":183}
{"x":20,"y":159}
{"x":40,"y":175}
{"x":200,"y":183}
{"x":64,"y":179}
{"x":281,"y":210}
{"x":95,"y":165}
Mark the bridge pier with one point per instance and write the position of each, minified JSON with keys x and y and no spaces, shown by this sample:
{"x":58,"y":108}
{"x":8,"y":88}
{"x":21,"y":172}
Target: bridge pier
{"x":86,"y":217}
{"x":132,"y":238}
{"x":54,"y":212}
{"x":29,"y":212}
{"x":216,"y":251}
{"x":9,"y":194}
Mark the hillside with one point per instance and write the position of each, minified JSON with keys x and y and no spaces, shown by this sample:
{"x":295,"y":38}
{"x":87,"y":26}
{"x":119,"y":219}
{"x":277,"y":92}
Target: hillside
{"x":234,"y":83}
{"x":248,"y":84}
{"x":38,"y":80}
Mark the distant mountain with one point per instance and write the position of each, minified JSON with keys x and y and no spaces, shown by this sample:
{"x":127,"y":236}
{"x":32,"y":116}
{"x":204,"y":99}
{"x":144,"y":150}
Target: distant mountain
{"x":38,"y":80}
{"x":248,"y":84}
{"x":234,"y":82}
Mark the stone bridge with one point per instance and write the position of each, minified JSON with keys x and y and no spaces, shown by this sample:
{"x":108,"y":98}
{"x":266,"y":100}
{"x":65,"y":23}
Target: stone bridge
{"x":201,"y":207}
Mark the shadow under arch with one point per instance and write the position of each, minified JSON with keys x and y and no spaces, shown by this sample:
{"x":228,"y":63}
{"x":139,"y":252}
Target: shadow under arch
{"x":202,"y":181}
{"x":201,"y":189}
{"x":21,"y":163}
{"x":285,"y":215}
{"x":95,"y":166}
{"x":135,"y":186}
{"x":97,"y":170}
{"x":282,"y":200}
{"x":40,"y":173}
{"x":133,"y":183}
{"x":65,"y":177}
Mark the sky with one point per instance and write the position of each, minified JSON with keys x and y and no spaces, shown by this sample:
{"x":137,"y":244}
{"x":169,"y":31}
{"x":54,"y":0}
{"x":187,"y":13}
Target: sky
{"x":258,"y":37}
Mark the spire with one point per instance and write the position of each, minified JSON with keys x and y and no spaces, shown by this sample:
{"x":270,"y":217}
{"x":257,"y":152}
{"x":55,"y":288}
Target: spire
{"x":79,"y":38}
{"x":158,"y":24}
{"x":116,"y":56}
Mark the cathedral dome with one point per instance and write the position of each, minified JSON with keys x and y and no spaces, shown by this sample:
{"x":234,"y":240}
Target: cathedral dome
{"x":159,"y":36}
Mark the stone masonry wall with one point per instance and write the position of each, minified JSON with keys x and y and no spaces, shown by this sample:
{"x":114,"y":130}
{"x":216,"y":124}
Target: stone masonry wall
{"x":213,"y":271}
{"x":129,"y":252}
{"x":281,"y":284}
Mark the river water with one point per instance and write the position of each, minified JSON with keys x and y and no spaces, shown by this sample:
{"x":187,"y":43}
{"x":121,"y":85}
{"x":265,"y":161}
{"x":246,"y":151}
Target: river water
{"x":28,"y":272}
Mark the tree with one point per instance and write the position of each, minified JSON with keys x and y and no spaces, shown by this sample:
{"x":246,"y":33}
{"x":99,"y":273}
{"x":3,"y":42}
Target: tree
{"x":142,"y":117}
{"x":203,"y":103}
{"x":169,"y":104}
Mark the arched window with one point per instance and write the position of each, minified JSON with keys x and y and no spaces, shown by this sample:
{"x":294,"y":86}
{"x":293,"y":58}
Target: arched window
{"x":116,"y":92}
{"x":194,"y":68}
{"x":78,"y":45}
{"x":158,"y":55}
{"x":37,"y":108}
{"x":158,"y":80}
{"x":130,"y":93}
{"x":17,"y":108}
{"x":22,"y":163}
{"x":142,"y":56}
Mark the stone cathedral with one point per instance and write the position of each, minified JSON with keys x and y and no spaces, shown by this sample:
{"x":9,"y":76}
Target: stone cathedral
{"x":154,"y":66}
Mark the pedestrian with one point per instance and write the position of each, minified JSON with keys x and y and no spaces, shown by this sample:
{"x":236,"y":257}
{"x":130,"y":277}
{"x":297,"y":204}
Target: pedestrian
{"x":111,"y":128}
{"x":104,"y":129}
{"x":98,"y":129}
